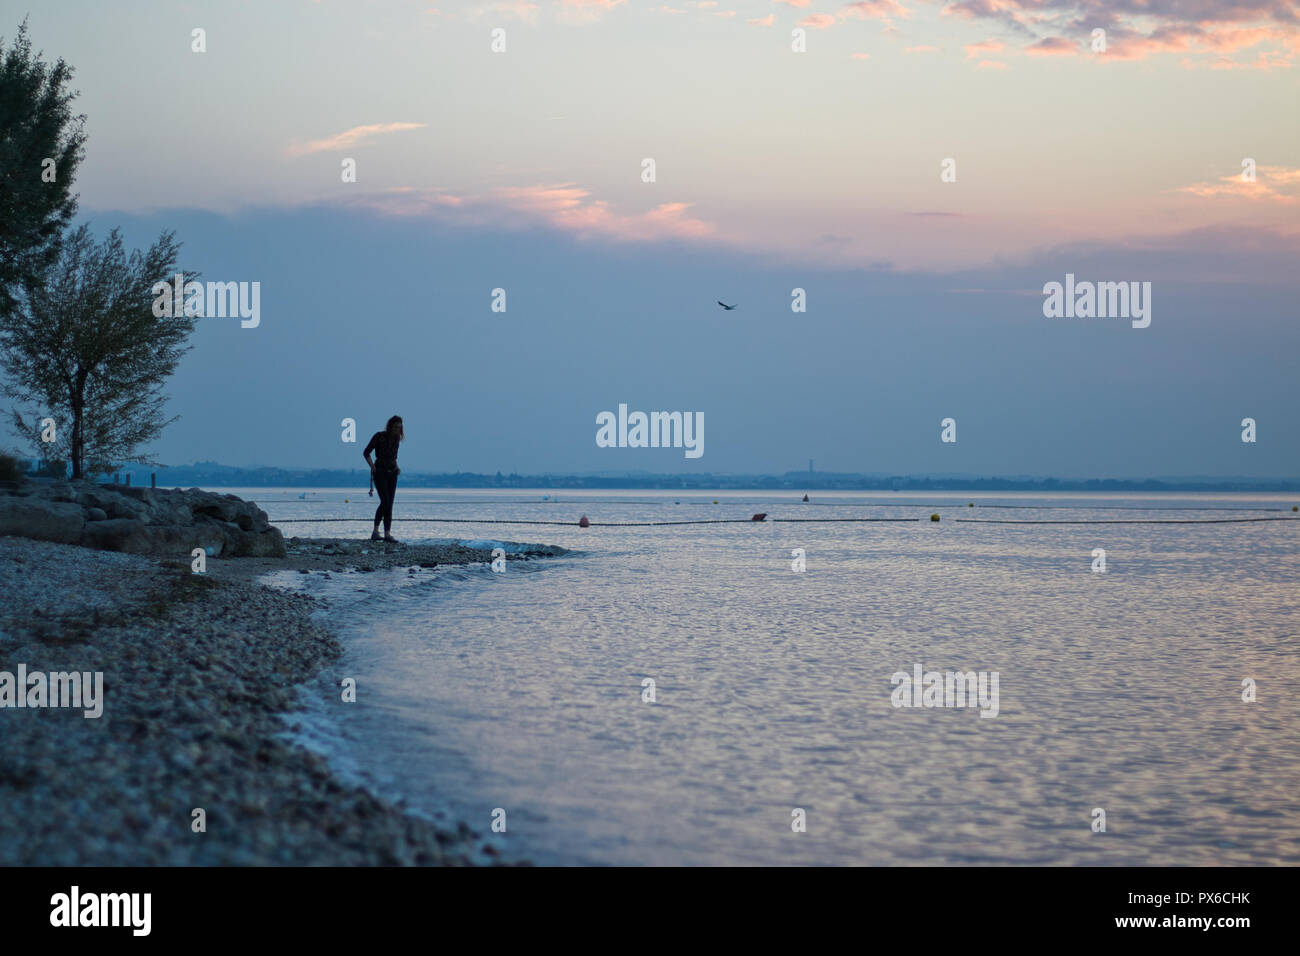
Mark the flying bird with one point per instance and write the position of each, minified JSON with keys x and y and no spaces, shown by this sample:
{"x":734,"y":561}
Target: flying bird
{"x":727,"y":307}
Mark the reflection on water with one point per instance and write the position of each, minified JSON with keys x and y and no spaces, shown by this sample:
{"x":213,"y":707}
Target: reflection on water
{"x":1120,"y":691}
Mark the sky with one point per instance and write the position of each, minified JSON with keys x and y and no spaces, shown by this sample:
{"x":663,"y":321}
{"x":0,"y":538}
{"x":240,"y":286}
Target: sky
{"x":920,"y":170}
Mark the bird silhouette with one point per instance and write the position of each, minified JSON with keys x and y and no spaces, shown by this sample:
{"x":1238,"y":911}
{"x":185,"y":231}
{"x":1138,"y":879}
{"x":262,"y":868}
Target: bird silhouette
{"x":727,"y":307}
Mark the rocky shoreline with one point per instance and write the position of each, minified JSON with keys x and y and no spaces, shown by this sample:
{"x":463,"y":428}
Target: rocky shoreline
{"x":137,"y":520}
{"x":199,"y":671}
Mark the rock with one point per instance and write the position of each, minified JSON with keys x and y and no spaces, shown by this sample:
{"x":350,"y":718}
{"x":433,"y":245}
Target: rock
{"x":145,"y":495}
{"x":40,"y":519}
{"x":118,"y":534}
{"x":119,"y":507}
{"x":264,"y":544}
{"x":182,"y":539}
{"x":96,"y":514}
{"x":61,"y":491}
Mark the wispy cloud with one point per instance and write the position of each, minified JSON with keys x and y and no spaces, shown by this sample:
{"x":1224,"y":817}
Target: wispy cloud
{"x":564,"y":206}
{"x":348,"y":138}
{"x":1274,"y":184}
{"x":874,"y":10}
{"x":1053,"y":46}
{"x":984,"y":46}
{"x":818,"y":21}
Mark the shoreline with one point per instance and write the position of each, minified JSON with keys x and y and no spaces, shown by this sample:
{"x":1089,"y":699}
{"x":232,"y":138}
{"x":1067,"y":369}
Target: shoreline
{"x":201,"y":674}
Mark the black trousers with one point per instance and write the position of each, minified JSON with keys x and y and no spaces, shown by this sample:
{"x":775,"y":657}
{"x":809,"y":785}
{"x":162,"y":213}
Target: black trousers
{"x":386,"y":485}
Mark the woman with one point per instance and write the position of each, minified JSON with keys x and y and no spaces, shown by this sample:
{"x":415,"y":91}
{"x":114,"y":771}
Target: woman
{"x":384,"y":472}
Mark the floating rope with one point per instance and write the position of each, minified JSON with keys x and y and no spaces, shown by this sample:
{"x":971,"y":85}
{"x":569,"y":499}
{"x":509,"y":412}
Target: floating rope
{"x":659,"y":524}
{"x":1125,"y":520}
{"x":594,"y":524}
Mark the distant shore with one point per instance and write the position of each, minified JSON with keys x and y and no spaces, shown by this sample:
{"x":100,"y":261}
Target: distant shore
{"x":214,"y":475}
{"x":199,"y":671}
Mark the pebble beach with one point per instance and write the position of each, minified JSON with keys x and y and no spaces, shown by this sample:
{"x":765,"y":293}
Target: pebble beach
{"x":199,"y":672}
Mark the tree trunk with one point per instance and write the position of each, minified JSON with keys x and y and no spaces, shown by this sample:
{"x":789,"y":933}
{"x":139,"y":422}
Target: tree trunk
{"x":78,"y":440}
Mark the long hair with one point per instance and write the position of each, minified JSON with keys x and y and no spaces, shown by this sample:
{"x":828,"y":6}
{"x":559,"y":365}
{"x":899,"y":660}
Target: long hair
{"x":394,"y":428}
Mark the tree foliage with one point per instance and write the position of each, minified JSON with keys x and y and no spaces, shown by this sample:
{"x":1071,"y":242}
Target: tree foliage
{"x":36,"y":199}
{"x":84,"y":345}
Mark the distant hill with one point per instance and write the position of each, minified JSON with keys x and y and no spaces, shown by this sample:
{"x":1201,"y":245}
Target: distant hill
{"x":211,"y":474}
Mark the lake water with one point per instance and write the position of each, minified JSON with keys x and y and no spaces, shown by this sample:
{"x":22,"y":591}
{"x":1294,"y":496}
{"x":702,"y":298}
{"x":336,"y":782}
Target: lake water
{"x":1118,"y":691}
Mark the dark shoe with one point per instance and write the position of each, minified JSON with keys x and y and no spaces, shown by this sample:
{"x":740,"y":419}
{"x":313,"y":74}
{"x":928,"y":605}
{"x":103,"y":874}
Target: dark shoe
{"x":391,"y":540}
{"x":374,"y":536}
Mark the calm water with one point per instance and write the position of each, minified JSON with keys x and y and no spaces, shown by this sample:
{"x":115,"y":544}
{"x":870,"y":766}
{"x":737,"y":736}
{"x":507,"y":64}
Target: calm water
{"x":1119,"y":691}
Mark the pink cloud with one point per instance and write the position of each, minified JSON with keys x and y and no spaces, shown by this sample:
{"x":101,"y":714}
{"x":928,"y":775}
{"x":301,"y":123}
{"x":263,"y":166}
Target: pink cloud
{"x":874,"y":10}
{"x":564,"y":206}
{"x":1273,"y":184}
{"x":1229,"y":41}
{"x":1137,"y":29}
{"x":818,"y":21}
{"x":1053,"y":46}
{"x":766,"y":21}
{"x":984,"y":46}
{"x":923,"y":48}
{"x":795,"y":3}
{"x":990,"y":65}
{"x":348,"y":138}
{"x":519,"y":9}
{"x":862,"y":56}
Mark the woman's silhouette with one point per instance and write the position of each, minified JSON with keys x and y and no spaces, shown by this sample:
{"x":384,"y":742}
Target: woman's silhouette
{"x":384,"y":472}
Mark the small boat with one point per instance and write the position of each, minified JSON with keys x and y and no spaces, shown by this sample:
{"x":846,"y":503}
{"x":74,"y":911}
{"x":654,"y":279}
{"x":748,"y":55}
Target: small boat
{"x":759,"y":517}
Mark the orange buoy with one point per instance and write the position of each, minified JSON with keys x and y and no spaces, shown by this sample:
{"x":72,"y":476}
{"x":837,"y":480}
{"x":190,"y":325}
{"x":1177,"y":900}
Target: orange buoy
{"x":583,"y":522}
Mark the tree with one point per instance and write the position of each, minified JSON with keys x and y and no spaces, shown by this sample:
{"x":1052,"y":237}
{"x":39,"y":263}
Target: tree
{"x":84,"y":344}
{"x":41,"y":146}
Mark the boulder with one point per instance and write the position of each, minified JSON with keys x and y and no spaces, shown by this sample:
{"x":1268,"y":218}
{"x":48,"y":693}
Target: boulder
{"x":260,"y":544}
{"x":120,"y":507}
{"x":96,"y":514}
{"x":118,"y":534}
{"x":181,"y":540}
{"x":60,"y":491}
{"x":44,"y":520}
